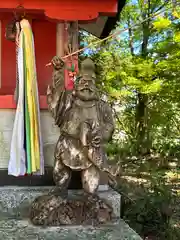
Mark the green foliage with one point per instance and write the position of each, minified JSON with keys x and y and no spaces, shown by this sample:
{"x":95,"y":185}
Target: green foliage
{"x":150,"y":213}
{"x":177,"y":37}
{"x":161,"y":23}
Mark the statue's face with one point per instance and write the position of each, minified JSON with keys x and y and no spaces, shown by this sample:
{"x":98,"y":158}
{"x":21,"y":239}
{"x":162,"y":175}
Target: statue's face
{"x":86,"y":90}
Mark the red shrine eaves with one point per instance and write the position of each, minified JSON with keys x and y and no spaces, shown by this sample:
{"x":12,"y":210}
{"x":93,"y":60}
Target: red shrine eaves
{"x":66,"y":10}
{"x":44,"y":16}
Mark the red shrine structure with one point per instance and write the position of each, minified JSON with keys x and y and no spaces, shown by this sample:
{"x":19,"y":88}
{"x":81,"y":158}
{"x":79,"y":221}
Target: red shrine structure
{"x":50,"y":21}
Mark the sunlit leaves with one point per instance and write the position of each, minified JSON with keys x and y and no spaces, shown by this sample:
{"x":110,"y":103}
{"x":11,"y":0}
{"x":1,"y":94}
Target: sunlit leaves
{"x":153,"y":87}
{"x":177,"y":37}
{"x":176,"y":13}
{"x":161,"y":23}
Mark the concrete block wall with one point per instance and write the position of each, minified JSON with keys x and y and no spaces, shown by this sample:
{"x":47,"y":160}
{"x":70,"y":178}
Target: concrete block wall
{"x":50,"y":134}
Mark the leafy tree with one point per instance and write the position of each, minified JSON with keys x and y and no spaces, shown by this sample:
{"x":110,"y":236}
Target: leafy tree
{"x":137,"y":70}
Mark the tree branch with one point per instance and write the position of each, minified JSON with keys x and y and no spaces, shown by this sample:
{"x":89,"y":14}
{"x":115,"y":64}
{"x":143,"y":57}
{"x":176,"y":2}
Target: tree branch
{"x":130,"y":36}
{"x":161,"y":7}
{"x":119,"y":121}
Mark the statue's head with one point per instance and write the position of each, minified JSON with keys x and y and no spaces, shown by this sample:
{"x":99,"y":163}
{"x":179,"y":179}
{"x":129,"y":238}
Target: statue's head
{"x":85,"y":88}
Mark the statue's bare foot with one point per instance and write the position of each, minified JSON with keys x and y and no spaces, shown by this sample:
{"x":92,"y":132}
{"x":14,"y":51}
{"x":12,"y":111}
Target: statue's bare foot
{"x":91,"y":197}
{"x":56,"y":191}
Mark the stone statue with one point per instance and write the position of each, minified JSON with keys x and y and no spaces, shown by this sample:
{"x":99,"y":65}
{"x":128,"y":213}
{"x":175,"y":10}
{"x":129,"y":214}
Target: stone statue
{"x":85,"y":123}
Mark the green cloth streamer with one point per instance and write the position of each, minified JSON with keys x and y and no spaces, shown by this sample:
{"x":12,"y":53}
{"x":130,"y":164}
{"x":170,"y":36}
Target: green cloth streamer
{"x":27,"y":119}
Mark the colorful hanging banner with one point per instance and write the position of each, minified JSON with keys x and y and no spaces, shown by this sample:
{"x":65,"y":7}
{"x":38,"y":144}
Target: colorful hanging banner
{"x":26,"y":154}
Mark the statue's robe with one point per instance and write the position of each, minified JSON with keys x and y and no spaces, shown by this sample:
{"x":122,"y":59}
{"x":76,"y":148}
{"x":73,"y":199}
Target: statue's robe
{"x":70,"y":114}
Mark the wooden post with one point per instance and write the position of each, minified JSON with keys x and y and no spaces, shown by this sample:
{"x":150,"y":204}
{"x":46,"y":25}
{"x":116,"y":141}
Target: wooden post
{"x":60,"y":40}
{"x":67,"y":42}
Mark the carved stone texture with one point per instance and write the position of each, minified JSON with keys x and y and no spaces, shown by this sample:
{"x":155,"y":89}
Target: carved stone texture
{"x":85,"y":123}
{"x":51,"y":210}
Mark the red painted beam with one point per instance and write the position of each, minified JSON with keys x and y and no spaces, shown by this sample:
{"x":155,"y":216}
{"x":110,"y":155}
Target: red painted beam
{"x":66,"y":10}
{"x":7,"y":102}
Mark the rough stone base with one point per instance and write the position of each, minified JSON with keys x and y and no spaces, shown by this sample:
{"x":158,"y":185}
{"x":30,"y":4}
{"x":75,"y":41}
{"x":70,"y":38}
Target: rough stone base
{"x":15,"y":201}
{"x":15,"y":225}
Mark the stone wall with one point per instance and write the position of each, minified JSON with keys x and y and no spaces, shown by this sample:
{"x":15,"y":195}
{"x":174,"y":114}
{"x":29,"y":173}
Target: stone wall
{"x":50,"y":134}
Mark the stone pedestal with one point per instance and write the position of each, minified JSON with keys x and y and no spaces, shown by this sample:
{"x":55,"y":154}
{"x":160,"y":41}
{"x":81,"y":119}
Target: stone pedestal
{"x":21,"y":229}
{"x":15,"y":225}
{"x":15,"y":201}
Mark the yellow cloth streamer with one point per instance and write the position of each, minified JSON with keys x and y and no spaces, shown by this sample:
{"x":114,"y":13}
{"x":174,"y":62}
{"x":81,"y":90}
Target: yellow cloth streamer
{"x":31,"y":94}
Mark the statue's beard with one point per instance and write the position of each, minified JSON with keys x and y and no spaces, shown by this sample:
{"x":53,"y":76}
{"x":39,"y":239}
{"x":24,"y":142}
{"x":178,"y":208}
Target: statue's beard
{"x":86,"y":94}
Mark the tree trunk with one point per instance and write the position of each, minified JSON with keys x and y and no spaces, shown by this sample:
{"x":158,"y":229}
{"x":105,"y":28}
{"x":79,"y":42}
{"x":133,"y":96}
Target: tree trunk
{"x":130,"y":36}
{"x":142,"y":133}
{"x":141,"y":124}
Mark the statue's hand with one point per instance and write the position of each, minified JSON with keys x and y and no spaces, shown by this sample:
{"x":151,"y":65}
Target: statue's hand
{"x":96,"y":141}
{"x":49,"y":94}
{"x":49,"y":90}
{"x":96,"y":136}
{"x":57,"y":62}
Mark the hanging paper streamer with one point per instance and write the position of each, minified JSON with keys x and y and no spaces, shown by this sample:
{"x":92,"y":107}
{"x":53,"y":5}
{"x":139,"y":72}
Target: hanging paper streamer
{"x":26,"y":155}
{"x":17,"y":164}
